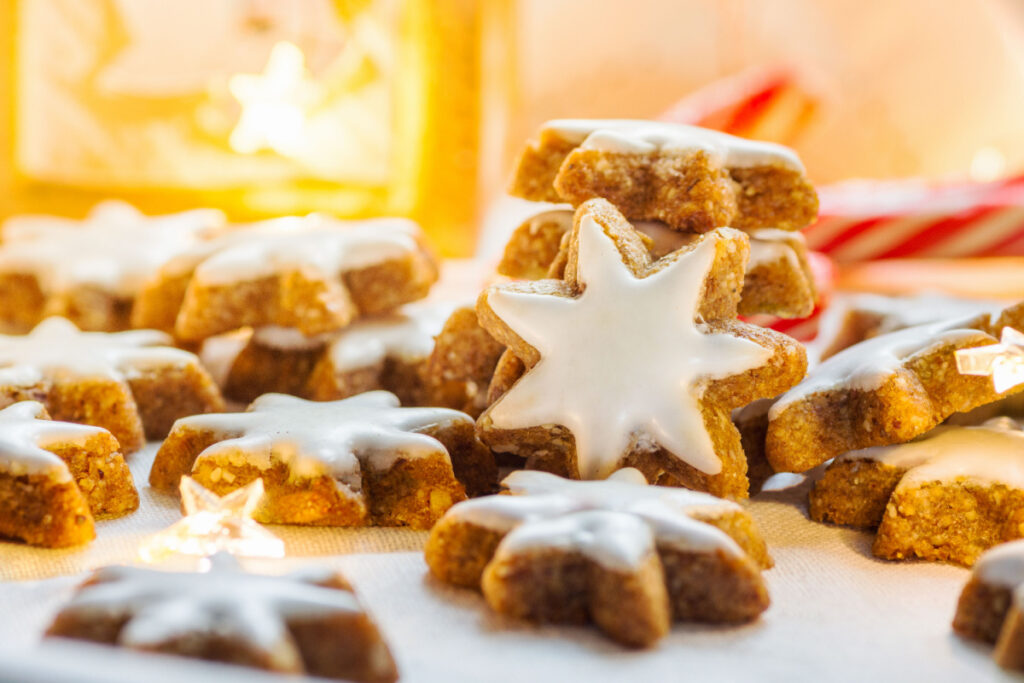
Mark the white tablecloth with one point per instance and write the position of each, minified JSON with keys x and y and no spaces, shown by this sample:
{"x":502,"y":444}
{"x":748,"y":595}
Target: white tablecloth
{"x":837,"y":613}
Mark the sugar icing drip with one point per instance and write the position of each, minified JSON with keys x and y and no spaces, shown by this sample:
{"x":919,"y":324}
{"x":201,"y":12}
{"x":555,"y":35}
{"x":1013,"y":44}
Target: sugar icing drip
{"x":638,"y":136}
{"x":595,"y":376}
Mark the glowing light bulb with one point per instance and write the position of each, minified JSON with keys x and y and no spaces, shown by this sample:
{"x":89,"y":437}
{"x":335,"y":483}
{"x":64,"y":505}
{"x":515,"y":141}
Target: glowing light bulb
{"x":275,"y":104}
{"x":1003,"y":362}
{"x":214,"y":524}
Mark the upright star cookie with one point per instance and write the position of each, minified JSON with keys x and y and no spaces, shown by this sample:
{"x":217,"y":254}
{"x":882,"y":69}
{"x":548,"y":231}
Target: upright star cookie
{"x":690,"y":178}
{"x":307,"y":623}
{"x":56,"y":476}
{"x":89,"y":271}
{"x":628,"y":556}
{"x":314,"y":274}
{"x":885,"y":390}
{"x":631,"y":362}
{"x":361,"y":460}
{"x":131,"y":383}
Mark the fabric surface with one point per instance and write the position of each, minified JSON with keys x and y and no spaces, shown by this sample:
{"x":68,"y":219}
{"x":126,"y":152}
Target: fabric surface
{"x":837,"y":613}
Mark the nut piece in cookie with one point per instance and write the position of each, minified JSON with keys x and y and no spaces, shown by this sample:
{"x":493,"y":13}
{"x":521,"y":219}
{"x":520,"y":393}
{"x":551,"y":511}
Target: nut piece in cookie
{"x":631,"y":362}
{"x":627,"y":556}
{"x":690,"y":178}
{"x":304,"y":623}
{"x":885,"y":390}
{"x":89,"y":271}
{"x":56,"y":476}
{"x":778,"y":279}
{"x":362,"y":460}
{"x":315,"y":274}
{"x":133,"y":384}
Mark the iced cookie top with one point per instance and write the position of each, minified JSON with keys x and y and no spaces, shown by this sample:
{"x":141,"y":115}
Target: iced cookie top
{"x":161,"y":606}
{"x":115,"y":248}
{"x":324,"y":438}
{"x":867,"y":365}
{"x":25,"y":434}
{"x":626,"y":355}
{"x":55,"y":347}
{"x":617,"y":522}
{"x":326,"y":245}
{"x":640,"y":137}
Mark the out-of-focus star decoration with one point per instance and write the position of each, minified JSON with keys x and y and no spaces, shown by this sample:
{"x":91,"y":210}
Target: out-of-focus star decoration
{"x":214,"y":524}
{"x":276,"y":104}
{"x":1003,"y":362}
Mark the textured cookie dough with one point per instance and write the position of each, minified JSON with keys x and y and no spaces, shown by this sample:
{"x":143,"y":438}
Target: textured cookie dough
{"x":359,"y":461}
{"x":314,"y":274}
{"x":690,"y":178}
{"x":630,"y":557}
{"x":305,"y":623}
{"x":56,"y":477}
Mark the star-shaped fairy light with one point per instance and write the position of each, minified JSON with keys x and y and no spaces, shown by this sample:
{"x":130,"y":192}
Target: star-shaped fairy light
{"x":213,"y":524}
{"x":1003,"y":362}
{"x":275,"y":104}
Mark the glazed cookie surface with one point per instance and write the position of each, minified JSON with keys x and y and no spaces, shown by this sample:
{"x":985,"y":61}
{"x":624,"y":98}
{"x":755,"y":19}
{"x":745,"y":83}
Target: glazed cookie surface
{"x":55,"y":477}
{"x":885,"y":390}
{"x":90,"y":271}
{"x":304,"y":623}
{"x":362,"y":460}
{"x":690,"y":178}
{"x":133,"y":384}
{"x":633,"y":362}
{"x":314,"y":274}
{"x":625,"y":555}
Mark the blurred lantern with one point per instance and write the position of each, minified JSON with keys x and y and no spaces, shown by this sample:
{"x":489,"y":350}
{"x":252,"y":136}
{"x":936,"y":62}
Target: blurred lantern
{"x":262,"y":108}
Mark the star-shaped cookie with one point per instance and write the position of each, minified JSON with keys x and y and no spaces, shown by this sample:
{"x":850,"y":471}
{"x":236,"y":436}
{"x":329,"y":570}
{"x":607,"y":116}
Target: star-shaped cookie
{"x":634,"y":362}
{"x":356,"y":461}
{"x":90,"y":270}
{"x":312,"y":273}
{"x":309,"y":623}
{"x":55,"y":476}
{"x":132,"y":383}
{"x":628,"y":556}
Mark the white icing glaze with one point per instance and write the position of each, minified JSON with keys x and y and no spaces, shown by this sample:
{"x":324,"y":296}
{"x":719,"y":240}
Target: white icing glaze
{"x":407,"y":334}
{"x":331,"y":438}
{"x":316,"y":242}
{"x":639,"y":137}
{"x":984,"y":454}
{"x":866,"y":366}
{"x":57,"y":346}
{"x":895,"y":312}
{"x":289,"y":339}
{"x":616,"y":522}
{"x":1002,"y":565}
{"x":160,"y":606}
{"x":596,"y":377}
{"x":768,"y":245}
{"x":115,"y":248}
{"x":24,"y":438}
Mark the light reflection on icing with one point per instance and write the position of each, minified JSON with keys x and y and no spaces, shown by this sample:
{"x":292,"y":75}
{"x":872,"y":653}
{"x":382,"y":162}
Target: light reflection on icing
{"x":24,"y":438}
